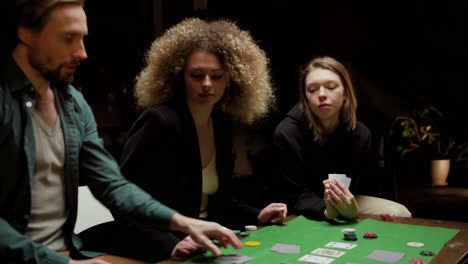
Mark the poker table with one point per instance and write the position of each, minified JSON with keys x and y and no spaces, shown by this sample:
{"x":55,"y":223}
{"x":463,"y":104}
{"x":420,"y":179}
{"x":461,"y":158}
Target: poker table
{"x":449,"y":240}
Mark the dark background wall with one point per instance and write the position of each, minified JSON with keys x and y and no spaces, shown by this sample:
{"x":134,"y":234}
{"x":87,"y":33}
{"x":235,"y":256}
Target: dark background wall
{"x":401,"y":56}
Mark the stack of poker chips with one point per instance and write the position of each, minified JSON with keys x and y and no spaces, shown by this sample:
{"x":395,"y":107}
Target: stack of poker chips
{"x":216,"y":242}
{"x":387,"y":217}
{"x":240,"y":234}
{"x":237,"y":233}
{"x":349,"y":234}
{"x":417,"y":261}
{"x":370,"y":235}
{"x":250,"y":229}
{"x":427,"y":253}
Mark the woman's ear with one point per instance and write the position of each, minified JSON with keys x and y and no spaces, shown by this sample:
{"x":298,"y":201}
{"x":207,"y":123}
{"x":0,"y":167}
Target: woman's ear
{"x":345,"y":95}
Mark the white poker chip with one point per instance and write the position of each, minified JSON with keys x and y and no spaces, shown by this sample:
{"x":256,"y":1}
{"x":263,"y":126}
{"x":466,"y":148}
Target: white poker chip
{"x":250,"y":228}
{"x":348,"y":231}
{"x":415,"y":244}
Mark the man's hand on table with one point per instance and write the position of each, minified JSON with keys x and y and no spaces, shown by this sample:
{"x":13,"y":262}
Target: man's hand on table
{"x":202,"y":231}
{"x":187,"y":248}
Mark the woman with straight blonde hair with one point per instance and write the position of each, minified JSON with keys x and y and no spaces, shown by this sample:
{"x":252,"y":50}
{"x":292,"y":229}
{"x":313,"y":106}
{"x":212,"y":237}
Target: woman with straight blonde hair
{"x":321,"y":137}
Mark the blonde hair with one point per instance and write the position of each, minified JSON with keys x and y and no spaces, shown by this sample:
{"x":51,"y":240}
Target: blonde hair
{"x":348,"y":109}
{"x":249,"y":94}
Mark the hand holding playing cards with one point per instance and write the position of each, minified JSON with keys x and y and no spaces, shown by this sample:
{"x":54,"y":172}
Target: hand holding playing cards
{"x":330,"y":211}
{"x":340,"y":198}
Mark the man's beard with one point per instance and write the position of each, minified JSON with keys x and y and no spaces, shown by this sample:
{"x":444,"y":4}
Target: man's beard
{"x":53,"y":75}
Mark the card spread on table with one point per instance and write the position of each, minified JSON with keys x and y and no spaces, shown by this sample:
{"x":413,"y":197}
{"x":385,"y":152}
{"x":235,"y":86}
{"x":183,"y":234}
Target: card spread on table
{"x":316,"y":259}
{"x":386,"y":256}
{"x":341,"y":177}
{"x":328,"y":252}
{"x":341,"y":245}
{"x":286,"y":249}
{"x":233,"y":258}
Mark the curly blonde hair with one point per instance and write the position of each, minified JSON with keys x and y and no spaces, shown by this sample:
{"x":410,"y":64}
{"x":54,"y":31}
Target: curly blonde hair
{"x":249,"y":95}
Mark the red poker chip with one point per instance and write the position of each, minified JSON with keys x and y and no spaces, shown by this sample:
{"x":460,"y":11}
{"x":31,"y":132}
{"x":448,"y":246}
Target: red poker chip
{"x":387,"y":217}
{"x":370,"y":235}
{"x":417,"y":261}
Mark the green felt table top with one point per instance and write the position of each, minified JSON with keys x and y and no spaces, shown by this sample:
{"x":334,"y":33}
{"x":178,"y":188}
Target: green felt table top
{"x":311,"y":235}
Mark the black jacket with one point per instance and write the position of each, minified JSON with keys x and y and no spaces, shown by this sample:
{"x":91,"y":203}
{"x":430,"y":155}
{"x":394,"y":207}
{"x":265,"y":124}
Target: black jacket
{"x":162,"y":156}
{"x":303,"y":164}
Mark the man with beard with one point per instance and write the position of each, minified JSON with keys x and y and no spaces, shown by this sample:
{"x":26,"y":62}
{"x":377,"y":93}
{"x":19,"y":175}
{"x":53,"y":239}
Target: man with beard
{"x":49,"y":145}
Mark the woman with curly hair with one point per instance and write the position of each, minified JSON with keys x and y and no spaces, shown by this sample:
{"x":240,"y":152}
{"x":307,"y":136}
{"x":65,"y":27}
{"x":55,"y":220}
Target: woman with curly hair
{"x":321,"y":137}
{"x":199,"y":78}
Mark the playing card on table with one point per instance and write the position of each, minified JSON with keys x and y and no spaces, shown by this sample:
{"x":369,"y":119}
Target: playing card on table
{"x":328,"y":252}
{"x":316,"y":259}
{"x":341,"y":177}
{"x":233,"y":258}
{"x":386,"y":256}
{"x":285,"y":248}
{"x":341,"y":245}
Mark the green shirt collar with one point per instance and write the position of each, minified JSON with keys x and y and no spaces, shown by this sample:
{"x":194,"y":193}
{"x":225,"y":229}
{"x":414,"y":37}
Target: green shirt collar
{"x":11,"y":73}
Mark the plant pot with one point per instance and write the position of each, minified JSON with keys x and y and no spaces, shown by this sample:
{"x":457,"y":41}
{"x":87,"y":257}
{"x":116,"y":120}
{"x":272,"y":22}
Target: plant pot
{"x":440,"y":171}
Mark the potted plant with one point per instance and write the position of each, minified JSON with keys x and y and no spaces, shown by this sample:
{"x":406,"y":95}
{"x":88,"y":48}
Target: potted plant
{"x":461,"y":156}
{"x":424,"y":129}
